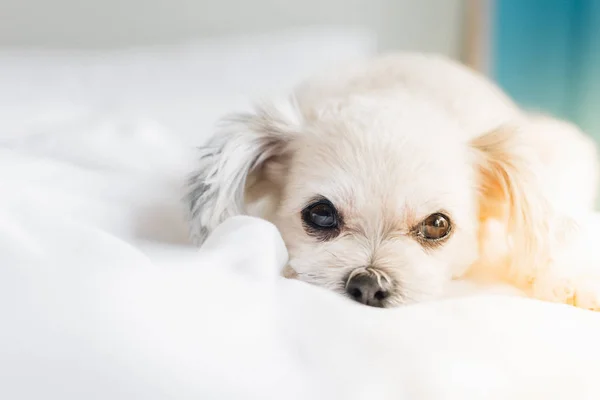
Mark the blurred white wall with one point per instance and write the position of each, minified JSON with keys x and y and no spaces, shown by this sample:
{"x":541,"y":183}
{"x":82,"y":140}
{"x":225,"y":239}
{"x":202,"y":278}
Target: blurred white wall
{"x":431,"y":25}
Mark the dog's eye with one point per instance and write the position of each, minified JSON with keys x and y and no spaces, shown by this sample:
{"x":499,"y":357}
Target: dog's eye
{"x":320,"y":215}
{"x":436,"y":226}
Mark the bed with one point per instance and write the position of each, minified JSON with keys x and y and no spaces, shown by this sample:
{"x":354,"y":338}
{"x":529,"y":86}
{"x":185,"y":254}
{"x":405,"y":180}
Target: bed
{"x":103,"y":297}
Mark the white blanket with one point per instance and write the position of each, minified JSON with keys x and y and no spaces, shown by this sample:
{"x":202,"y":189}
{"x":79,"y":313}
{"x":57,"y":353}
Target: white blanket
{"x":102,"y":296}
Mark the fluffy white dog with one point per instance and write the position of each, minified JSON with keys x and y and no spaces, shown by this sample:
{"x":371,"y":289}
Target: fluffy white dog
{"x":391,"y":178}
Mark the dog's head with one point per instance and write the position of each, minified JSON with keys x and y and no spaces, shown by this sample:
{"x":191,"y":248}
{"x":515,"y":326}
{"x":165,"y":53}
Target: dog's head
{"x":378,"y":198}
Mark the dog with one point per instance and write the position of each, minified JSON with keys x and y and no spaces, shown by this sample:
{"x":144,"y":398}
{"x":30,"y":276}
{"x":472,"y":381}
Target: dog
{"x":393,"y":176}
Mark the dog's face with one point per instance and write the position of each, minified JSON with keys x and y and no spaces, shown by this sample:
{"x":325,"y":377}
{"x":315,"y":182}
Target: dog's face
{"x":377,"y":198}
{"x":379,"y":203}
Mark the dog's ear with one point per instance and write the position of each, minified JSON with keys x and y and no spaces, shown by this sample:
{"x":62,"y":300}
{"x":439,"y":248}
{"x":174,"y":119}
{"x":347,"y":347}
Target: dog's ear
{"x":510,"y":192}
{"x":237,"y":157}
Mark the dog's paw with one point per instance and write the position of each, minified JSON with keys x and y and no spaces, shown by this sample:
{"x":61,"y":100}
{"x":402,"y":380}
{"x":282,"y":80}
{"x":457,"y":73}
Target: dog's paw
{"x":579,"y":290}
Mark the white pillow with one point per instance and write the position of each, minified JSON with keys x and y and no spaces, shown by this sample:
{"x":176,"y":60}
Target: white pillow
{"x":185,"y":87}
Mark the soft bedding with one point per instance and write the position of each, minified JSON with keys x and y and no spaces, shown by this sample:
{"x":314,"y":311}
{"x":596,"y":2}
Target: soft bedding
{"x":103,"y":297}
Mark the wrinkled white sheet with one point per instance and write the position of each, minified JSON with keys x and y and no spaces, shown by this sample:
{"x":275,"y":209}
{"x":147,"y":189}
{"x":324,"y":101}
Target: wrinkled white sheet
{"x":102,"y":296}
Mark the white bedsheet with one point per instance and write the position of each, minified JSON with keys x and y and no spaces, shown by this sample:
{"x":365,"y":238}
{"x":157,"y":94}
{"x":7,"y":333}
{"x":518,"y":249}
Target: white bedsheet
{"x":102,"y":296}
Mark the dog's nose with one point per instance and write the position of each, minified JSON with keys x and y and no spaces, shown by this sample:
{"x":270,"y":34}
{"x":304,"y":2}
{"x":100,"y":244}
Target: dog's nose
{"x":366,"y":290}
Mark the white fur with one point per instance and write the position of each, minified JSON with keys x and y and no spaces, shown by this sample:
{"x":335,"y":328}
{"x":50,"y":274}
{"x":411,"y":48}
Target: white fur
{"x":389,"y":142}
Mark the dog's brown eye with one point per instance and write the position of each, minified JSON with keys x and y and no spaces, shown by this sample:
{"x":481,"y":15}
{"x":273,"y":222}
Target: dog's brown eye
{"x":435,"y":227}
{"x":320,"y":215}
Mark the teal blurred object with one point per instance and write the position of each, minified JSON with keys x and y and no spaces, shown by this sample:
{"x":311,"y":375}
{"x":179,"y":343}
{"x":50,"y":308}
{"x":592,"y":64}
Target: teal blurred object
{"x":546,"y":55}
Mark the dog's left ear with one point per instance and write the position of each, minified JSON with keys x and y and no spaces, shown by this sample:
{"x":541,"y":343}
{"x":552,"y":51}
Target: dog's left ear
{"x":510,"y":192}
{"x":246,"y":152}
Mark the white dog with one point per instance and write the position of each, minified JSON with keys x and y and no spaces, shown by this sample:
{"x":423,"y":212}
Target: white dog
{"x":390,"y":178}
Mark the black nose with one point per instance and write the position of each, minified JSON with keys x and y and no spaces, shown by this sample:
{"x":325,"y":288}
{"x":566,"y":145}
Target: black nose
{"x":366,"y":289}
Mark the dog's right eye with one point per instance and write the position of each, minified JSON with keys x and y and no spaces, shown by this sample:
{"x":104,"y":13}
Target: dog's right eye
{"x":320,"y":215}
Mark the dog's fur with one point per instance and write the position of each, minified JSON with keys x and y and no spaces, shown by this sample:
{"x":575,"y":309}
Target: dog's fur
{"x":389,"y":142}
